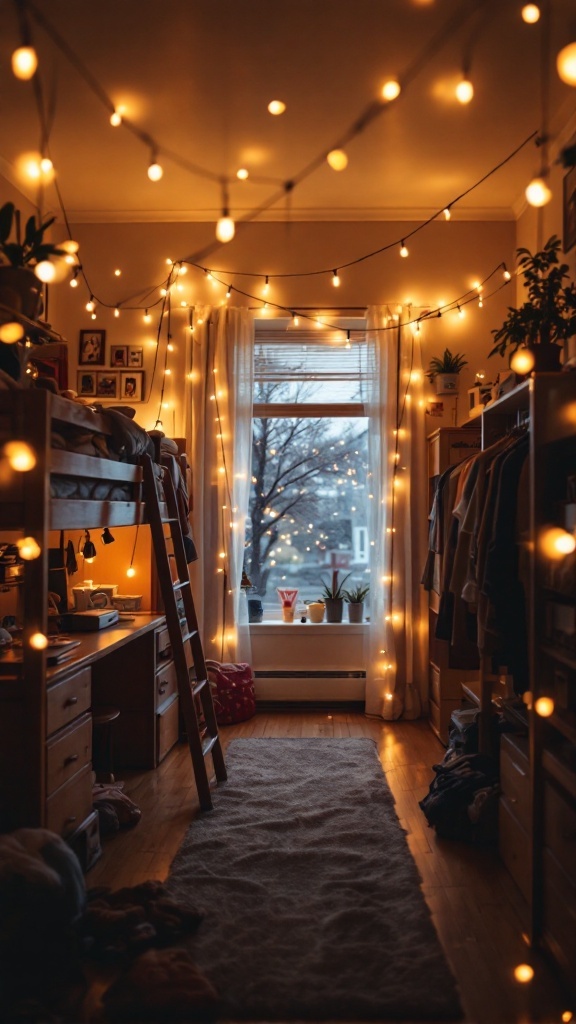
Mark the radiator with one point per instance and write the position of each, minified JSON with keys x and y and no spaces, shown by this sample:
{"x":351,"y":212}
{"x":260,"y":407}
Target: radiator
{"x":310,"y":685}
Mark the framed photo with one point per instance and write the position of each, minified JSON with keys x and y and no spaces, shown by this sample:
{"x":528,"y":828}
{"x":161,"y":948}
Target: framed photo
{"x":92,"y":348}
{"x":132,"y":385}
{"x":118,"y":355}
{"x":107,"y":384}
{"x":86,"y":384}
{"x":135,"y":357}
{"x":569,"y":210}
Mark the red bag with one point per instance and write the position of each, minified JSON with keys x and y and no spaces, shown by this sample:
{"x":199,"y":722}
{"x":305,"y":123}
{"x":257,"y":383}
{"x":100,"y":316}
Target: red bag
{"x":232,"y":691}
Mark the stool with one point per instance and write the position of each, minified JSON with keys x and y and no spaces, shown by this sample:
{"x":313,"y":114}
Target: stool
{"x":102,"y":745}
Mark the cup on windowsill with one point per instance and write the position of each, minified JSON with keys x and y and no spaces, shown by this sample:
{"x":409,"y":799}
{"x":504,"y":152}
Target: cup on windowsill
{"x":288,"y":613}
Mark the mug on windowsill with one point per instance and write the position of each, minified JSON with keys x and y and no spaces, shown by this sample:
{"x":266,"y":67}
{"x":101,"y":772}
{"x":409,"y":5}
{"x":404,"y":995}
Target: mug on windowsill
{"x":316,"y":610}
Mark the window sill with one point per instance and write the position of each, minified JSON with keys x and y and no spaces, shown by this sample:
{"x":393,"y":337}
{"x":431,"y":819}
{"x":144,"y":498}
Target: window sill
{"x":270,"y":626}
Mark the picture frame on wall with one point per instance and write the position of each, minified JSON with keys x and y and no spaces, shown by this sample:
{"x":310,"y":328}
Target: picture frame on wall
{"x":92,"y":348}
{"x":86,"y":384}
{"x":131,"y":386}
{"x":135,"y":357}
{"x":569,"y":210}
{"x":107,"y":384}
{"x":118,"y":355}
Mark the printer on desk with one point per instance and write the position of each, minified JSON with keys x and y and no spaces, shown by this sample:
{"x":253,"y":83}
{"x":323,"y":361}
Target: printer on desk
{"x":89,"y":620}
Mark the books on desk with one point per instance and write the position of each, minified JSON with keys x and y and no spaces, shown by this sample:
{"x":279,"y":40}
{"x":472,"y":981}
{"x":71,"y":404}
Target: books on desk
{"x":59,"y":649}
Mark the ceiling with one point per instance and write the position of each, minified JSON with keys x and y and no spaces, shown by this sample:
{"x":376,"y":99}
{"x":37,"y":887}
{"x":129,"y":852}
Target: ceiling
{"x":195,"y":79}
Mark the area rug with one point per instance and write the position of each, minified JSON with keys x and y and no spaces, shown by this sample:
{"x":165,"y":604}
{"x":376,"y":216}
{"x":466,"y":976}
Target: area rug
{"x":312,"y":901}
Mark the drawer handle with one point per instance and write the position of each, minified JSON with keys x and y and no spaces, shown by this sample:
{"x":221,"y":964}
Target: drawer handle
{"x":71,"y":819}
{"x":165,"y":654}
{"x":518,"y":769}
{"x":71,"y":759}
{"x":162,"y":689}
{"x":71,"y":700}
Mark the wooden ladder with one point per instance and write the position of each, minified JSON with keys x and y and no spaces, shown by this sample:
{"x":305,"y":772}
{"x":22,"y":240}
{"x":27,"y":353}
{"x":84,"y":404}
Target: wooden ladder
{"x":193,"y":685}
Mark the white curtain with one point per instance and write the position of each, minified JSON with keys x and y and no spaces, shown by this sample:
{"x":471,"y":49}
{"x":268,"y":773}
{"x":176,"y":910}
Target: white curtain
{"x":397,"y":678}
{"x":219,"y":419}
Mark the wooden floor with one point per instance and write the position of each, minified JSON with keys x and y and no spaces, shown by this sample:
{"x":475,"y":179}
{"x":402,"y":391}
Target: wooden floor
{"x":475,"y":905}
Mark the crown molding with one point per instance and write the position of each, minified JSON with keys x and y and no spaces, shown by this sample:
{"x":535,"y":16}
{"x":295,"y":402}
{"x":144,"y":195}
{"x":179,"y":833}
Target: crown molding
{"x":311,"y":215}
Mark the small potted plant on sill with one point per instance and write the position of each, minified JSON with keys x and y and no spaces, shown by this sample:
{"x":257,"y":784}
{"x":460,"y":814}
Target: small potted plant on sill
{"x":444,"y":371}
{"x":333,"y":597}
{"x":534,"y":333}
{"x":355,"y":601}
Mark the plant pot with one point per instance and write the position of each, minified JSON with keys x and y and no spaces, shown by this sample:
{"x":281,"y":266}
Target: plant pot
{"x":446,"y":383}
{"x":21,"y":291}
{"x":546,"y":358}
{"x":255,"y":609}
{"x":356,"y":611}
{"x":334,"y":609}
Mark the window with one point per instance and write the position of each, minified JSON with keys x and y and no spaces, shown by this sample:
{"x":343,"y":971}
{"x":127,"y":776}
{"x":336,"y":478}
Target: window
{"x":309,"y":495}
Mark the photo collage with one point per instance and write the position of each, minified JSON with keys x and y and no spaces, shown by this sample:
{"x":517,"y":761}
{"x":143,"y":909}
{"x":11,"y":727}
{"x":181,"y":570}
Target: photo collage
{"x":120,"y":377}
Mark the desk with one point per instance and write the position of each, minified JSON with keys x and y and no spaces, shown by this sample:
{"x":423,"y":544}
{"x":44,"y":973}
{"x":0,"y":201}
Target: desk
{"x":128,"y":665}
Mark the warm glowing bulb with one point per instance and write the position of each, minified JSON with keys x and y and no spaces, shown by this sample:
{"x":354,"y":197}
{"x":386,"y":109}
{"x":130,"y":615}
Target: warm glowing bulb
{"x":225,"y":229}
{"x":335,"y":279}
{"x":11,"y":332}
{"x":522,"y":361}
{"x":391,"y":89}
{"x":556,"y":542}
{"x":24,"y":62}
{"x":566,"y":64}
{"x":90,"y":306}
{"x":567,"y":1016}
{"x":155,"y":171}
{"x":337,"y":159}
{"x":131,"y":571}
{"x":447,"y":214}
{"x":28,"y":548}
{"x":92,"y":316}
{"x":295,"y":320}
{"x":530,"y":13}
{"x":74,"y":283}
{"x":45,"y":271}
{"x":538,"y":193}
{"x":117,"y":272}
{"x":115,"y":119}
{"x":523,"y":973}
{"x":147,"y":318}
{"x":403,"y":250}
{"x":20,"y":455}
{"x":464,"y":91}
{"x":242,"y":174}
{"x":46,"y":165}
{"x":544,"y":707}
{"x":69,"y":245}
{"x":276,"y":107}
{"x":38,"y":641}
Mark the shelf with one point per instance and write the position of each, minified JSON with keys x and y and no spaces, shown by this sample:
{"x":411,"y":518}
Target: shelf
{"x":35,"y":328}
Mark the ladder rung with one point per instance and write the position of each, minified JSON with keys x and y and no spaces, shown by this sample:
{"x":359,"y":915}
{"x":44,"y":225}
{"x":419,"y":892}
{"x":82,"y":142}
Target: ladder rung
{"x":189,"y":636}
{"x":180,"y":586}
{"x":207,"y":746}
{"x":166,"y":520}
{"x":198,"y":686}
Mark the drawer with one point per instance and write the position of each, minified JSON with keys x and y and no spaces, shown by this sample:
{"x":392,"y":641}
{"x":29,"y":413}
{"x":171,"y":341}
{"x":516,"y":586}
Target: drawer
{"x":166,"y":729}
{"x":67,"y":700}
{"x":163,"y":645}
{"x":514,"y":846}
{"x":560,"y":828}
{"x":70,"y":805}
{"x":435,"y":684}
{"x":559,"y":917}
{"x":67,"y":752}
{"x":440,"y":717}
{"x":515,"y":780}
{"x":166,"y":683}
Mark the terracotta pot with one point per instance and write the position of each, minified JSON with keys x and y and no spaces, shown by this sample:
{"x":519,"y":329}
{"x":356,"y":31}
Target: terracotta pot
{"x":546,"y":357}
{"x":334,"y":609}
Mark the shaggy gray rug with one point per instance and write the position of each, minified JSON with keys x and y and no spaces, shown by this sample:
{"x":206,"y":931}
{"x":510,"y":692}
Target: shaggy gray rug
{"x":312,"y":902}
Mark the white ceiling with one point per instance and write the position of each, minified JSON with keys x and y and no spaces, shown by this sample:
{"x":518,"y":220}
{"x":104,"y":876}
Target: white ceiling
{"x":196,"y":77}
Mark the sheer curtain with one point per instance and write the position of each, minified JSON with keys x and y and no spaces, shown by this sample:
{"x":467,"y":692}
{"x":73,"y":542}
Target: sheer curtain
{"x":397,"y":681}
{"x":219,"y":421}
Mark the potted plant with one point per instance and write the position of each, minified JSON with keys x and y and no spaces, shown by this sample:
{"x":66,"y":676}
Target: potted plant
{"x":444,"y":371}
{"x":20,"y":288}
{"x":333,"y":597}
{"x":355,"y":601}
{"x":545,"y":322}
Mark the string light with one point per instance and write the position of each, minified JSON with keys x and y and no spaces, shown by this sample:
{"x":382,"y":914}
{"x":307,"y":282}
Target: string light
{"x":538,"y":192}
{"x":225,"y":228}
{"x":115,"y":118}
{"x":391,"y":89}
{"x":39,"y":641}
{"x":335,"y":279}
{"x":21,"y":457}
{"x":24,"y":62}
{"x":276,"y":107}
{"x":90,"y":305}
{"x":530,"y":13}
{"x":403,"y":249}
{"x":28,"y":548}
{"x":265,"y":286}
{"x":522,"y":361}
{"x":242,"y":174}
{"x":147,"y":318}
{"x":566,"y":64}
{"x":11,"y":332}
{"x":116,"y":311}
{"x":337,"y":159}
{"x":505,"y":272}
{"x":155,"y":170}
{"x":447,"y":213}
{"x":464,"y":91}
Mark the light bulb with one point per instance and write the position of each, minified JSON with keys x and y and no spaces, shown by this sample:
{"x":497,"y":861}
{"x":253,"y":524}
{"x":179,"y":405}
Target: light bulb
{"x":117,"y":272}
{"x":337,"y":159}
{"x":69,"y":246}
{"x":45,"y":271}
{"x":530,"y":13}
{"x":242,"y":174}
{"x":155,"y":171}
{"x":147,"y":318}
{"x":92,"y":316}
{"x":38,"y":641}
{"x":295,"y":320}
{"x":522,"y":361}
{"x":391,"y":89}
{"x":447,"y":214}
{"x":11,"y":332}
{"x":335,"y":279}
{"x":566,"y":64}
{"x":24,"y":62}
{"x":131,"y":571}
{"x":403,"y":250}
{"x":461,"y":312}
{"x":225,"y":228}
{"x":265,"y":287}
{"x":74,"y":283}
{"x":537,"y":192}
{"x":46,"y":165}
{"x":28,"y":548}
{"x":276,"y":107}
{"x":506,"y":273}
{"x":464,"y":91}
{"x":90,"y":305}
{"x":524,"y":973}
{"x":115,"y":118}
{"x":556,"y":543}
{"x":544,"y":707}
